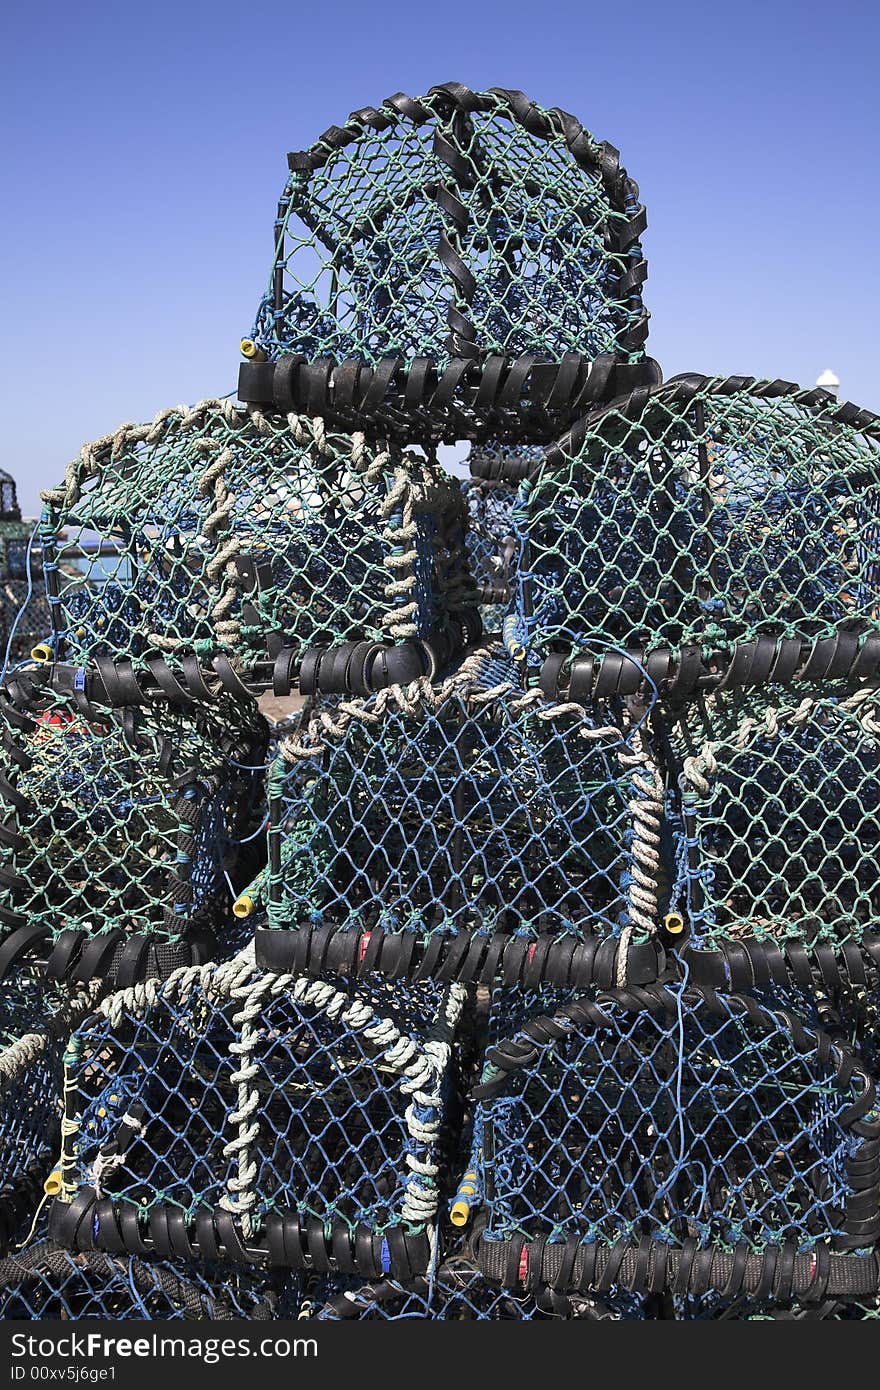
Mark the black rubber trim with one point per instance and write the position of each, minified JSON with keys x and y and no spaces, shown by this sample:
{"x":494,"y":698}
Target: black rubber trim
{"x":118,"y":957}
{"x":286,"y":1239}
{"x":680,"y":675}
{"x":519,"y":399}
{"x":681,"y":390}
{"x":467,"y":957}
{"x":362,"y":667}
{"x":119,"y":685}
{"x":651,"y":1265}
{"x":748,"y":963}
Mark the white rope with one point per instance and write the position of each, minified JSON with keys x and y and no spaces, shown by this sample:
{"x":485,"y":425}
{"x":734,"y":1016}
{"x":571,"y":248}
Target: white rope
{"x":699,"y":770}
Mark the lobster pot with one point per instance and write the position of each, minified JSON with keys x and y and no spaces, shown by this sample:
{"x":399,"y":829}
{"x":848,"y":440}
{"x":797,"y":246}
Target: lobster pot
{"x":456,"y":224}
{"x":262,"y":1120}
{"x":223,"y":534}
{"x":677,"y":1141}
{"x":465,"y":809}
{"x":121,"y":827}
{"x":704,"y":512}
{"x":46,"y":1281}
{"x":458,"y":1292}
{"x":776,"y":863}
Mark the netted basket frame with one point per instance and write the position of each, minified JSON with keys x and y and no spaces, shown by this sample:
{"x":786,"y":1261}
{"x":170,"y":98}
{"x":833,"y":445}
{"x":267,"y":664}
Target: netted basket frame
{"x":84,"y":1219}
{"x":652,"y":1264}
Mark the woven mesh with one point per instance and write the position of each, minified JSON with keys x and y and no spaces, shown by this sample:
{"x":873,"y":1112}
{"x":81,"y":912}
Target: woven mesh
{"x":463,"y":805}
{"x":255,"y":1095}
{"x":24,"y":612}
{"x":491,"y":546}
{"x":676,"y":1114}
{"x":710,"y":512}
{"x":445,"y":225}
{"x":777,"y":801}
{"x":34,"y":1020}
{"x":125,"y":819}
{"x":48,"y":1282}
{"x":215,"y":530}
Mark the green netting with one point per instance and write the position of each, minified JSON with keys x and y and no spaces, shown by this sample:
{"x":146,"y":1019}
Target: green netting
{"x":775,"y":803}
{"x":219,"y":530}
{"x":707,"y":512}
{"x":463,"y":806}
{"x":123,"y":819}
{"x":454,"y":225}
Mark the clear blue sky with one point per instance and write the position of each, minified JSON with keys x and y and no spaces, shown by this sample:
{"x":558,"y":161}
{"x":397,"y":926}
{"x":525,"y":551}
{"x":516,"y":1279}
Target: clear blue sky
{"x":144,"y":149}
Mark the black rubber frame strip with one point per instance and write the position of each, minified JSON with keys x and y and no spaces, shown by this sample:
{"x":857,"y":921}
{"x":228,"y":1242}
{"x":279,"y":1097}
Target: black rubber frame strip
{"x":683,"y":674}
{"x":650,"y":1265}
{"x":467,"y":956}
{"x":286,"y":1239}
{"x":523,"y":398}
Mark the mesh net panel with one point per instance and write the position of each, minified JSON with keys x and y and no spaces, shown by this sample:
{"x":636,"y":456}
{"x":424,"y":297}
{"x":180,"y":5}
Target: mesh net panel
{"x":715,"y":512}
{"x":214,"y":529}
{"x":777,"y":828}
{"x":34,"y":1020}
{"x":491,"y":545}
{"x":242,"y":1093}
{"x":464,"y":805}
{"x":125,"y":819}
{"x":24,"y":612}
{"x":429,"y":229}
{"x":676,"y":1114}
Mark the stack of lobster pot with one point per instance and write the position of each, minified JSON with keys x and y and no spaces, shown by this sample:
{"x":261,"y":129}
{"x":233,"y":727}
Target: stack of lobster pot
{"x":524,"y":967}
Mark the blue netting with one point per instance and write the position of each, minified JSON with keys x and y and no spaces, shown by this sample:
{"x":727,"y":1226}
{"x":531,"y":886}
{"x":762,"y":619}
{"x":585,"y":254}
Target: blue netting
{"x":34,"y":1022}
{"x":491,"y":535}
{"x":675,"y":1114}
{"x":775,"y":818}
{"x":460,"y":806}
{"x":258,"y":1096}
{"x":44,"y":1280}
{"x":24,"y":612}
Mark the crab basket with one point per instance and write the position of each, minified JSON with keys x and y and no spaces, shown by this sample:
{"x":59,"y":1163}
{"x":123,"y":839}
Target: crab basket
{"x":455,"y":225}
{"x":672,"y":1141}
{"x":261,"y":1119}
{"x":124,"y":829}
{"x":705,"y":515}
{"x":219,"y":536}
{"x":460,"y":829}
{"x":776,"y":878}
